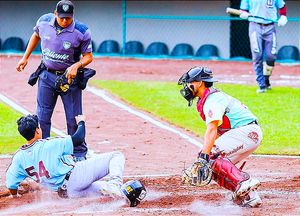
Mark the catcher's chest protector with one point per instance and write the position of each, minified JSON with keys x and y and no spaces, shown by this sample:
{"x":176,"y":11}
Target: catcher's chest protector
{"x":200,"y":104}
{"x":227,"y":175}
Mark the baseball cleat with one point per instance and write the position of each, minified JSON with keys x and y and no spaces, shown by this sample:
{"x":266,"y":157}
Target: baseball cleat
{"x":269,"y":87}
{"x":261,"y":90}
{"x":252,"y":200}
{"x":246,"y":187}
{"x":109,"y":188}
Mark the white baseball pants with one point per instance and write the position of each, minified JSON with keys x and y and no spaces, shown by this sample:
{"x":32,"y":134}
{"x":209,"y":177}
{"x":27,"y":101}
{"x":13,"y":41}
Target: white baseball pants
{"x":84,"y":178}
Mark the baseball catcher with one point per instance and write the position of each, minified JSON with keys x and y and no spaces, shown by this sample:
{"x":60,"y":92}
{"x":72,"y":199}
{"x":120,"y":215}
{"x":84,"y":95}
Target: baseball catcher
{"x":232,"y":134}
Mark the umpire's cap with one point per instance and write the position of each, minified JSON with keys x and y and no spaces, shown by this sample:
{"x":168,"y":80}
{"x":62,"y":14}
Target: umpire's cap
{"x":65,"y":8}
{"x":197,"y":74}
{"x":27,"y":126}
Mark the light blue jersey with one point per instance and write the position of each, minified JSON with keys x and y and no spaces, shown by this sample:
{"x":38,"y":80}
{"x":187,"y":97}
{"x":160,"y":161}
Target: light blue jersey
{"x":46,"y":161}
{"x":219,"y":103}
{"x":267,"y":9}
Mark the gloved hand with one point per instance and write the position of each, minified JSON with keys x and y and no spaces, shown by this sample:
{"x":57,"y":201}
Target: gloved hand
{"x":282,"y":21}
{"x":199,"y":174}
{"x":244,"y":15}
{"x":62,"y":83}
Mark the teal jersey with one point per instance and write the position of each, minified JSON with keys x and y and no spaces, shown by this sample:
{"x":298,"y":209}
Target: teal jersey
{"x":219,"y":103}
{"x":267,"y":9}
{"x":46,"y":161}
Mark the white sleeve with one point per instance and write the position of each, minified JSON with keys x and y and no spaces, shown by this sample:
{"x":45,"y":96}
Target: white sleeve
{"x":213,"y":110}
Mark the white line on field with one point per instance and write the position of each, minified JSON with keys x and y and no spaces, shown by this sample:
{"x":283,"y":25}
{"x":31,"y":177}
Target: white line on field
{"x":22,"y":110}
{"x":149,"y":210}
{"x":275,"y":156}
{"x":149,"y":176}
{"x":104,"y":96}
{"x":2,"y":156}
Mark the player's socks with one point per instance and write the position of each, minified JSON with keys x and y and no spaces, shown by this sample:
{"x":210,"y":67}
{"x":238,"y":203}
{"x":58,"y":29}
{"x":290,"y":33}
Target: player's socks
{"x":267,"y":82}
{"x":110,"y":188}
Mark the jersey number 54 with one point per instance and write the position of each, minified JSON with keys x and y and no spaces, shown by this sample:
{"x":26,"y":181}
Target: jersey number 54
{"x":42,"y":172}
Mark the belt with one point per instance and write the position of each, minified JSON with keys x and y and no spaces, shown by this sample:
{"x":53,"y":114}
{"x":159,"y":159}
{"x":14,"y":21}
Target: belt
{"x":265,"y":24}
{"x":62,"y":190}
{"x":253,"y":122}
{"x":56,"y":72}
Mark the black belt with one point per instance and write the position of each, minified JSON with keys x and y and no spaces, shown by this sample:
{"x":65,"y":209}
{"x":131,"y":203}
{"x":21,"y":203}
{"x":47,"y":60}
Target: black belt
{"x":265,"y":24}
{"x":253,"y":122}
{"x":56,"y":72}
{"x":62,"y":190}
{"x":68,"y":175}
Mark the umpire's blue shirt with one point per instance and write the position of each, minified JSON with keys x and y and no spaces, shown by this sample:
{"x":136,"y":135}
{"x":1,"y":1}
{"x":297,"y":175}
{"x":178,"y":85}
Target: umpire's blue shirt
{"x":62,"y":48}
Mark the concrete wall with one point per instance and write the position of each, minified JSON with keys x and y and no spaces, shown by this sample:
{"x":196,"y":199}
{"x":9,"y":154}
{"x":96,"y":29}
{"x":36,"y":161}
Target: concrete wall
{"x":104,"y":18}
{"x":194,"y":32}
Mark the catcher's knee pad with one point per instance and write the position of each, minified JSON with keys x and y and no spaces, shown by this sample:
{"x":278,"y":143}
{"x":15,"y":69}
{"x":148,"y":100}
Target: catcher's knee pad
{"x":227,"y":175}
{"x":268,"y":68}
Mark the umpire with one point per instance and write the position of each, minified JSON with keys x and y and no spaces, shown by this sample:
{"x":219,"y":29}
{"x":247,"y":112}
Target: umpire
{"x":63,"y":41}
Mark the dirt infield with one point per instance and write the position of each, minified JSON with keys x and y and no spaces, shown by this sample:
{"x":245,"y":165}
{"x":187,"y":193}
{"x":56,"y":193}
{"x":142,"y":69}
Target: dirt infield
{"x":150,"y":150}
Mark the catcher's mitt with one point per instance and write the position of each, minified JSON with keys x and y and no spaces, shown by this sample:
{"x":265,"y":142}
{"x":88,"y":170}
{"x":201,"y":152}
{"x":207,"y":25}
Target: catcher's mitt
{"x":199,"y":174}
{"x":62,"y":84}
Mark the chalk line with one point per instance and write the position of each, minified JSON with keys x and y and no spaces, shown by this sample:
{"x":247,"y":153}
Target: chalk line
{"x":102,"y":94}
{"x":22,"y":110}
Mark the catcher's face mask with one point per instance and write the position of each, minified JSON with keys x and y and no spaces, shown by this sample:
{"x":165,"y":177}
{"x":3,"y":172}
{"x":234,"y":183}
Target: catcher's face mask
{"x":195,"y":74}
{"x":187,"y":93}
{"x":188,"y":90}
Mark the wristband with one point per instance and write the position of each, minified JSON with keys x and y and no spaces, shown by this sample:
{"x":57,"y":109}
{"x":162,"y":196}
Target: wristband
{"x":204,"y":156}
{"x":81,"y":64}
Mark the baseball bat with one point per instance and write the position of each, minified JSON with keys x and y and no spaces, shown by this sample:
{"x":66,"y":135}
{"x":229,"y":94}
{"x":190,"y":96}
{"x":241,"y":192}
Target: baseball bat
{"x":237,"y":12}
{"x":233,"y":11}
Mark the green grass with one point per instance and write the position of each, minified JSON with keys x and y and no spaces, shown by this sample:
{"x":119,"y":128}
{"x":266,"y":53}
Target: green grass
{"x":277,"y":110}
{"x":10,"y":139}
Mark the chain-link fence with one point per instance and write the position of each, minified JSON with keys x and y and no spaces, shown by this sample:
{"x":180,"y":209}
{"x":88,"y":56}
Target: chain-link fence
{"x":229,"y":35}
{"x":202,"y":28}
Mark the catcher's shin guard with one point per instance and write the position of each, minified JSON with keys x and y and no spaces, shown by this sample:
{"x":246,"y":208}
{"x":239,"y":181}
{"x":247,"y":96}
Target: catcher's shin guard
{"x":227,"y":175}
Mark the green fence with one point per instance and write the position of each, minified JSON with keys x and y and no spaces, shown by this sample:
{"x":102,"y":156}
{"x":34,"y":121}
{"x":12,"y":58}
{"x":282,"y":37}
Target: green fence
{"x":192,"y":23}
{"x":229,"y":34}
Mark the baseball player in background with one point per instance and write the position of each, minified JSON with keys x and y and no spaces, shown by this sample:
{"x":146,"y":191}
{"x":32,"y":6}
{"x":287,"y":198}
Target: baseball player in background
{"x":50,"y":162}
{"x":232,"y":134}
{"x":262,"y":34}
{"x":63,"y":41}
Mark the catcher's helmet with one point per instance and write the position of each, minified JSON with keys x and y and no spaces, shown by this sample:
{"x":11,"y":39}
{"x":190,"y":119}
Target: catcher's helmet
{"x":135,"y":191}
{"x":197,"y":74}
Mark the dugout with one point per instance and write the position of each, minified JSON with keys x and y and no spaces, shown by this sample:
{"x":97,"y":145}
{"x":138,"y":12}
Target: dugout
{"x":170,"y":22}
